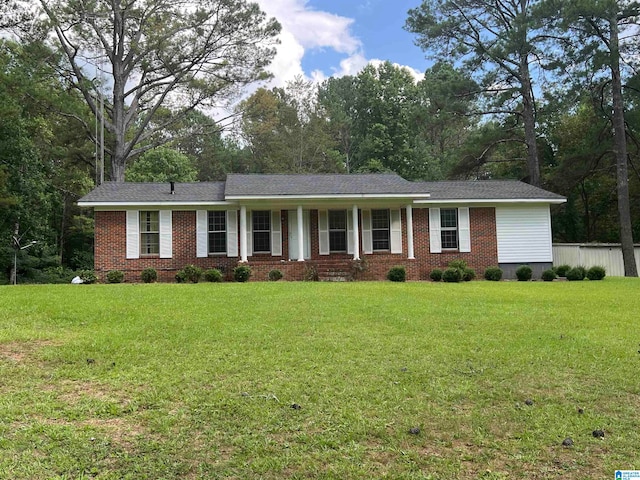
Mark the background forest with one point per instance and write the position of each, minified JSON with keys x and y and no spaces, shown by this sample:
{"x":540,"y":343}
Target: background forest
{"x":533,"y":90}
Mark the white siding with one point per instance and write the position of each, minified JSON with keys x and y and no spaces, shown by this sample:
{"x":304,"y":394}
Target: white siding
{"x":524,"y":234}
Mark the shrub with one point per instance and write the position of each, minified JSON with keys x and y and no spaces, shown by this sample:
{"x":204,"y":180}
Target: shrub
{"x":149,"y":275}
{"x":181,"y":277}
{"x":576,"y":273}
{"x":524,"y":273}
{"x":397,"y":274}
{"x":192,"y":273}
{"x":88,"y":276}
{"x":561,"y":270}
{"x":213,"y":275}
{"x":493,"y":274}
{"x":549,"y":275}
{"x":468,"y":274}
{"x":436,"y":275}
{"x":242,"y":273}
{"x":459,"y":264}
{"x":275,"y":275}
{"x":596,"y":273}
{"x":451,"y":275}
{"x":115,"y":276}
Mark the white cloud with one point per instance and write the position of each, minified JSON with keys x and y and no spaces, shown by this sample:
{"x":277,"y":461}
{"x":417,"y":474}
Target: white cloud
{"x":305,"y":29}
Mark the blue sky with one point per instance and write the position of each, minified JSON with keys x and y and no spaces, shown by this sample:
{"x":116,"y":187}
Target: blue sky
{"x":323,"y":38}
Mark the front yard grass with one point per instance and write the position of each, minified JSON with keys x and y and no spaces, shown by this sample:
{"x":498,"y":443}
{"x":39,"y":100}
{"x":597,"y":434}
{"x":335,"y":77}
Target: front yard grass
{"x":320,"y":380}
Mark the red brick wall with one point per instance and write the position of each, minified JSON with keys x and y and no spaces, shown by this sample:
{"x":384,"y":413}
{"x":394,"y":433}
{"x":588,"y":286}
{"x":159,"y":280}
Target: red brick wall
{"x":110,"y":250}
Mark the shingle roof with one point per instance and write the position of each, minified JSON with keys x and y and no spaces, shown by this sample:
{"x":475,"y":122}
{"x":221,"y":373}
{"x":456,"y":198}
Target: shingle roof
{"x":250,"y":186}
{"x":486,"y":190}
{"x":240,"y":186}
{"x":128,"y":192}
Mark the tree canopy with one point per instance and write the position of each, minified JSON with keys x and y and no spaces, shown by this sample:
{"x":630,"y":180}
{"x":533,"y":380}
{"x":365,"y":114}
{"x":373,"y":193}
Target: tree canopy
{"x":156,"y":61}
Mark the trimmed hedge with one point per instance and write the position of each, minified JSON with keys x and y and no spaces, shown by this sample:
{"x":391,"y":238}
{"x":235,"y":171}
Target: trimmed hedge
{"x":596,"y":273}
{"x":115,"y":276}
{"x":397,"y":274}
{"x":149,"y":275}
{"x":524,"y":273}
{"x":493,"y":274}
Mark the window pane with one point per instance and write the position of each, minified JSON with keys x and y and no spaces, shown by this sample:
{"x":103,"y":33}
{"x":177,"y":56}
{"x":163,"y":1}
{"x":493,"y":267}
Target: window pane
{"x":261,"y":242}
{"x":149,"y":243}
{"x":380,"y":219}
{"x":217,"y":221}
{"x":149,"y":222}
{"x":448,"y":218}
{"x":217,"y":242}
{"x":338,"y":230}
{"x":262,"y":220}
{"x":338,"y":241}
{"x":449,"y":238}
{"x":337,"y":220}
{"x":380,"y":239}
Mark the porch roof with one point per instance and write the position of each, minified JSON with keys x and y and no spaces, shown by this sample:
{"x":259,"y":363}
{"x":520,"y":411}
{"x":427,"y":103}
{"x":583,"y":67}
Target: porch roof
{"x":239,"y":187}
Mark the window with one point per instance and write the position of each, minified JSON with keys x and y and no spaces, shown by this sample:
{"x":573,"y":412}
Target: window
{"x":149,"y":233}
{"x":338,"y":230}
{"x":380,"y":229}
{"x":449,"y":228}
{"x":217,"y":232}
{"x":262,"y":231}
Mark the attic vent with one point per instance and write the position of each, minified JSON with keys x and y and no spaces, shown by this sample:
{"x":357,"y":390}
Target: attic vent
{"x":173,"y":187}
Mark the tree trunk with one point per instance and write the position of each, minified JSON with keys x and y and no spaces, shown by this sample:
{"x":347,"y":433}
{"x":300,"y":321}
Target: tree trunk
{"x":529,"y":120}
{"x":620,"y":151}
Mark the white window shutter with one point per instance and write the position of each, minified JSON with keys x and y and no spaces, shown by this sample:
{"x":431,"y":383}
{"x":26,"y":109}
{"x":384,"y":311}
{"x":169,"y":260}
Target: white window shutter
{"x":435,"y":240}
{"x":349,"y":231}
{"x":166,"y":234}
{"x":202,"y":225}
{"x":133,"y":234}
{"x":276,"y":234}
{"x":396,"y":230}
{"x":367,"y":234}
{"x":232,"y":233}
{"x":464,"y":230}
{"x":249,"y":233}
{"x":323,"y":232}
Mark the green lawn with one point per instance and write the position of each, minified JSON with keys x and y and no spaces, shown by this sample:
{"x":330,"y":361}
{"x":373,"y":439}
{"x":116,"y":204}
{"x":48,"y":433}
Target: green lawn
{"x":198,"y":381}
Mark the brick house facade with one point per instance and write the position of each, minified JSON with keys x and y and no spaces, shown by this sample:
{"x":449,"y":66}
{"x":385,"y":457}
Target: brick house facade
{"x":353,"y":226}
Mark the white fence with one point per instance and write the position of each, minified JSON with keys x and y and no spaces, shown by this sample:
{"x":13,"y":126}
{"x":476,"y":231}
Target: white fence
{"x":608,"y":255}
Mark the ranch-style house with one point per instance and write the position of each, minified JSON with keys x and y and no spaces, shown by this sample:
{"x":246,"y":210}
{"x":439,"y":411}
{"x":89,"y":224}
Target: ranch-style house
{"x":320,"y":226}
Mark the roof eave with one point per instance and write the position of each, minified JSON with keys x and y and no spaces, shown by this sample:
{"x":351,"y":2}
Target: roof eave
{"x":151,"y":204}
{"x":491,"y":200}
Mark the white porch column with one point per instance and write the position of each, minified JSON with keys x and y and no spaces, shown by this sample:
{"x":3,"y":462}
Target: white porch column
{"x":300,"y":235}
{"x":410,"y":253}
{"x":243,"y":234}
{"x":356,"y":234}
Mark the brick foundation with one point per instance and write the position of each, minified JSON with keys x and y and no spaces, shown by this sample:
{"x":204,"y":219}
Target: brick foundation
{"x":110,"y":251}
